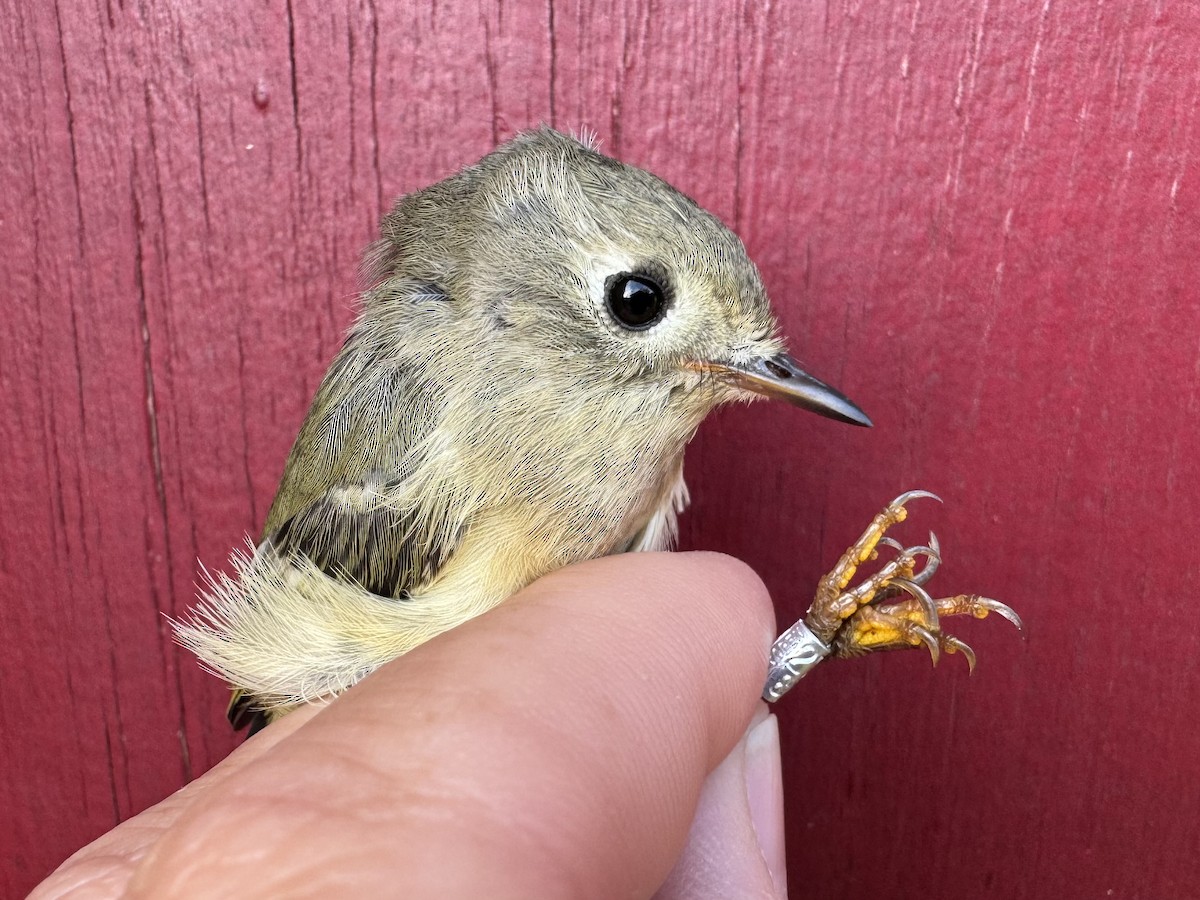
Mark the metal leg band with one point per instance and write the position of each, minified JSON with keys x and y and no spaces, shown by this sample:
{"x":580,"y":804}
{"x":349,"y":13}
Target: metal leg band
{"x":793,"y":656}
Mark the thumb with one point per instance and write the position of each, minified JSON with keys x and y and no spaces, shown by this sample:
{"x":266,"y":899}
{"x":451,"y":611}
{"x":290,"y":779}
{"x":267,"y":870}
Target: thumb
{"x":736,"y":846}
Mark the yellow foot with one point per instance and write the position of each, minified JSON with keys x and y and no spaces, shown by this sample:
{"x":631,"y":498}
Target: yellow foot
{"x":892,"y":626}
{"x":889,"y":609}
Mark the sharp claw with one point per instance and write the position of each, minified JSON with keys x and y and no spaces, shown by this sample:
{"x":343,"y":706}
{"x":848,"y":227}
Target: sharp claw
{"x":1001,"y":609}
{"x":933,"y":560}
{"x":932,"y":554}
{"x":954,"y":645}
{"x":922,"y":597}
{"x":930,"y":642}
{"x":918,"y":550}
{"x":909,"y":496}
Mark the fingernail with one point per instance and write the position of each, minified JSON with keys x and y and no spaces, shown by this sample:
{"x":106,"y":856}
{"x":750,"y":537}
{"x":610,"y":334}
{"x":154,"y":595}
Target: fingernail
{"x":764,"y":794}
{"x":735,"y":846}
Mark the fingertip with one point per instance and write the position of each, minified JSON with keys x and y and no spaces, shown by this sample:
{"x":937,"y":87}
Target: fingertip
{"x":702,"y":620}
{"x":735,"y":582}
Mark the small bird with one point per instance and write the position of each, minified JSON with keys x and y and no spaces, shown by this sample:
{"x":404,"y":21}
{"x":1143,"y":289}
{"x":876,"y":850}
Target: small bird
{"x":543,"y":334}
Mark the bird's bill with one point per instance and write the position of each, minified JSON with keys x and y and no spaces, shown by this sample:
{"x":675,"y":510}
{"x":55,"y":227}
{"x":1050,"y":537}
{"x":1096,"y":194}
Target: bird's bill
{"x":781,"y":378}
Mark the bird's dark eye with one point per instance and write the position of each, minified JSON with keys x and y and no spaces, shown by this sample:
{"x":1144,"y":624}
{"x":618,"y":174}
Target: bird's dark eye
{"x":636,"y":301}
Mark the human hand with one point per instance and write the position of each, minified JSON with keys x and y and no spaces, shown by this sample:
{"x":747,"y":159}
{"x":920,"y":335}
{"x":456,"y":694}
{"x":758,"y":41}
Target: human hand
{"x":556,"y":746}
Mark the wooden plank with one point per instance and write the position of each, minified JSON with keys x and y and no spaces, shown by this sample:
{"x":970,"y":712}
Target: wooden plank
{"x":979,"y":220}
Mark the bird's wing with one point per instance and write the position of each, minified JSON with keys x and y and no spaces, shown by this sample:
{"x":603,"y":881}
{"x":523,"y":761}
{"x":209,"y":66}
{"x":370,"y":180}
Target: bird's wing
{"x":335,"y":504}
{"x":351,"y":534}
{"x":332,"y":504}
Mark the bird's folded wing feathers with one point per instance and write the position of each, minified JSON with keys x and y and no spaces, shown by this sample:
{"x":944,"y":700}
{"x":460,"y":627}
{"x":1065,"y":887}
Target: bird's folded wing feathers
{"x":337,"y":504}
{"x":336,"y":515}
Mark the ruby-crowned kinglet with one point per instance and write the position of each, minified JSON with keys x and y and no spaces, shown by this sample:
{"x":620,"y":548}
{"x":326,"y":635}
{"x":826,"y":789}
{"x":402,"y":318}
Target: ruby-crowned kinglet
{"x":545,"y":332}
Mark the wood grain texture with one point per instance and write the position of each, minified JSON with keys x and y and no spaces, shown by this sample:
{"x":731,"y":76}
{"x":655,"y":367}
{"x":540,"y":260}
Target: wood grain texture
{"x":979,"y":219}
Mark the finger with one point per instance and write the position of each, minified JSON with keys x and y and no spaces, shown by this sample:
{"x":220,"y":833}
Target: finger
{"x":555,"y":746}
{"x":735,"y":847}
{"x":103,"y":868}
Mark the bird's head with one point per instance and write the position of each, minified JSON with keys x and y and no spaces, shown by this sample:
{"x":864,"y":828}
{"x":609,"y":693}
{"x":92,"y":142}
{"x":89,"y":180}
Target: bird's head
{"x":561,"y":253}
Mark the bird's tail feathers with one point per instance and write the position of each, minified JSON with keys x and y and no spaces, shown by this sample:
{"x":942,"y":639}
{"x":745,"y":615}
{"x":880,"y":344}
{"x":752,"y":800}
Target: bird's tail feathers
{"x":284,"y":632}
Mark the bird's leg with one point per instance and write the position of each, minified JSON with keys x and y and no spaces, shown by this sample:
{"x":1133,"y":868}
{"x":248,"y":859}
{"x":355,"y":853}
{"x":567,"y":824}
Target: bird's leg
{"x":847,"y":621}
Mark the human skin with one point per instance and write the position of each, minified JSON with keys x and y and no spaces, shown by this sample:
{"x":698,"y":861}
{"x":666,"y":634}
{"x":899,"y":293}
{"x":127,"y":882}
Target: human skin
{"x":598,"y":734}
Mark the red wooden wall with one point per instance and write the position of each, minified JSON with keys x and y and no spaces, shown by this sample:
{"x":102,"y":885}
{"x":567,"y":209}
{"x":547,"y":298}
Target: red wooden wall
{"x":981,"y":219}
